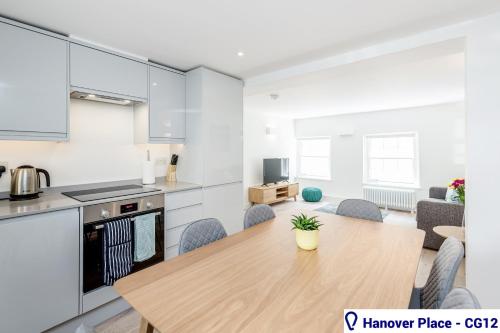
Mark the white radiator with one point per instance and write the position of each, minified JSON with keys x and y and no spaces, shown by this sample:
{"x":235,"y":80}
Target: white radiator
{"x":402,"y":199}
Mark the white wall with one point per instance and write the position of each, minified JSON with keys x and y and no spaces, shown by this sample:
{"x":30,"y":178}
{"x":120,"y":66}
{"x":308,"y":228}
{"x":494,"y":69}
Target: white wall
{"x":441,"y":133}
{"x":101,"y":148}
{"x":483,"y":160}
{"x":257,"y":145}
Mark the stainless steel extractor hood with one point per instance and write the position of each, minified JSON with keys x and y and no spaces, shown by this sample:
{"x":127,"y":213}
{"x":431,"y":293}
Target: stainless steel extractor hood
{"x":102,"y":98}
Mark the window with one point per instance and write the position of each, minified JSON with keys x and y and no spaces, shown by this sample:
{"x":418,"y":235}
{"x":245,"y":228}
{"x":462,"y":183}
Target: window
{"x":314,"y":158}
{"x":391,"y":159}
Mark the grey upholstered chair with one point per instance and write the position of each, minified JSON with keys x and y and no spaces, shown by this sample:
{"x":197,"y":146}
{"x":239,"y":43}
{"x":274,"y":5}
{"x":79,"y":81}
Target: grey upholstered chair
{"x":258,"y":214}
{"x":460,"y":298}
{"x":440,"y":281}
{"x":436,"y":211}
{"x":361,"y":209}
{"x":201,"y":233}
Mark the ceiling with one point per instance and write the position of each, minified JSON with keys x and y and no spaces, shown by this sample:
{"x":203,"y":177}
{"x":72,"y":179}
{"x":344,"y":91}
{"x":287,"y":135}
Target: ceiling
{"x":429,"y":75}
{"x":272,"y":34}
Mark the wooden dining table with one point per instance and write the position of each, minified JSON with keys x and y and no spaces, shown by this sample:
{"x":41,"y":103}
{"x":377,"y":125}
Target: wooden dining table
{"x":258,"y":280}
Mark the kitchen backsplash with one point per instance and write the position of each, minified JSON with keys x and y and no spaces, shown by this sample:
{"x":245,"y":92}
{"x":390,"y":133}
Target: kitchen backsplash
{"x":101,"y":148}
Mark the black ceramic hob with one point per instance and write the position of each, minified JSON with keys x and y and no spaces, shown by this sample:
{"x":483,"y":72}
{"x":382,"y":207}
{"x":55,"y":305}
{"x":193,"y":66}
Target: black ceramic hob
{"x":108,"y":192}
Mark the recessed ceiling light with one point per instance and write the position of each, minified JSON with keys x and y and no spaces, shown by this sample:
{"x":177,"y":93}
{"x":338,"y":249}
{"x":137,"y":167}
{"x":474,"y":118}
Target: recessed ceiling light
{"x":91,"y":96}
{"x":240,"y":54}
{"x":126,"y":101}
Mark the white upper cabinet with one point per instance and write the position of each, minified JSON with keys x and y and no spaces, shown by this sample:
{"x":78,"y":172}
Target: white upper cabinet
{"x":92,"y":69}
{"x":167,"y":104}
{"x":33,"y":85}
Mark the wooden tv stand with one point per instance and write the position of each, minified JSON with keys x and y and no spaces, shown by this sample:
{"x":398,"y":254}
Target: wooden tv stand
{"x":268,"y":194}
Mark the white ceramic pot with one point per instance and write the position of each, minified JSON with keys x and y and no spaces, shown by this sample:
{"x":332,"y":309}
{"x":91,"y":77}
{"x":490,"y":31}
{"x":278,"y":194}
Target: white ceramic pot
{"x":307,"y":239}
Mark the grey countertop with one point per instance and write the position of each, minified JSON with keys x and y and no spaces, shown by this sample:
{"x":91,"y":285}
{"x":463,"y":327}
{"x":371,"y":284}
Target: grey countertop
{"x":52,"y":199}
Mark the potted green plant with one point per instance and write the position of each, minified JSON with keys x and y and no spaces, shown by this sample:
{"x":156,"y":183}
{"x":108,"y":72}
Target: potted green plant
{"x":306,"y":231}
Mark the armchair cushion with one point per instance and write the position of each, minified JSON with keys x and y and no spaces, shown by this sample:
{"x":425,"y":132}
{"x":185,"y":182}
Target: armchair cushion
{"x":451,"y":195}
{"x":438,"y":192}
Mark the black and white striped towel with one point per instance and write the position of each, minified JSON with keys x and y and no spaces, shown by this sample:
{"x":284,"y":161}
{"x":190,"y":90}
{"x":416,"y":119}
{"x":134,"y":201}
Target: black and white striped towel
{"x":117,"y":250}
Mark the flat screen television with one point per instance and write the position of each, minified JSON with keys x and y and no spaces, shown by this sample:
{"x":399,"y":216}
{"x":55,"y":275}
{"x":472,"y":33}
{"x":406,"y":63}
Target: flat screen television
{"x":275,"y":170}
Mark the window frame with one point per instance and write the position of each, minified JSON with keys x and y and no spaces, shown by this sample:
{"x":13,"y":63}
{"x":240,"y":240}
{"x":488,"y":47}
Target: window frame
{"x":301,"y":175}
{"x":416,"y":160}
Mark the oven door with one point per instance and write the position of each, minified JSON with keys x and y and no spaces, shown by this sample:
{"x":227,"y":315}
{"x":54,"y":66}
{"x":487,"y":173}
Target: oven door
{"x":93,"y":250}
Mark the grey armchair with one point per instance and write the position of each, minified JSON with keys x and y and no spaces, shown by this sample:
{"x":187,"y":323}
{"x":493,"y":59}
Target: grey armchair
{"x":436,"y":211}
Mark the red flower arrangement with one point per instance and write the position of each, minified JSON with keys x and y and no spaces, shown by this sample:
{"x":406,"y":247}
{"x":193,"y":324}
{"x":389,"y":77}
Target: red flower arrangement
{"x":458,"y":184}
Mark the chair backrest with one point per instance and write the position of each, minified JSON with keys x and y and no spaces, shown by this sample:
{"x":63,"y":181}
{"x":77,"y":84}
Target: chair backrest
{"x":443,"y":272}
{"x":258,"y":214}
{"x":201,"y":233}
{"x":460,"y":298}
{"x":361,"y":209}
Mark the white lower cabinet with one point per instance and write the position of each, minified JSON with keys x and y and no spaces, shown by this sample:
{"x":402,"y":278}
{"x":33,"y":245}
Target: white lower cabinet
{"x":174,"y":235}
{"x":225,"y":202}
{"x":182,"y":199}
{"x":39,"y":256}
{"x":182,"y":208}
{"x":171,"y":252}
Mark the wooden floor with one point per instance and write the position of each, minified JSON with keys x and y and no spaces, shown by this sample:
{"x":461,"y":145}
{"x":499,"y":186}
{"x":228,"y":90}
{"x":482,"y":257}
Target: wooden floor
{"x":128,"y":321}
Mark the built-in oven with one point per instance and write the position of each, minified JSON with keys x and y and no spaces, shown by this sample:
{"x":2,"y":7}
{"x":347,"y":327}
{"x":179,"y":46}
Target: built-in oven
{"x":94,"y":219}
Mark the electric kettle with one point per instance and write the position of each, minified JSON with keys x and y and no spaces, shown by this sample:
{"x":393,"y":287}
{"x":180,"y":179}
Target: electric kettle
{"x":25,"y":182}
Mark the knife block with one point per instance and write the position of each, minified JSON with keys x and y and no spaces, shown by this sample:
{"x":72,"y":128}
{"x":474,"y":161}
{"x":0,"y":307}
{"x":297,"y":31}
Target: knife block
{"x":171,"y":173}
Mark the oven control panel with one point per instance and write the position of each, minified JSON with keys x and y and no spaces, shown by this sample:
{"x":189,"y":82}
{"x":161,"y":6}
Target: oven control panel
{"x":107,"y":210}
{"x":129,"y":208}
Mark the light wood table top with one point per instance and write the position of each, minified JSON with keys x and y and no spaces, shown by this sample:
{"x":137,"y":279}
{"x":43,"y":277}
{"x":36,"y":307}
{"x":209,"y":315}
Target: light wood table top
{"x":259,"y":281}
{"x":450,"y":231}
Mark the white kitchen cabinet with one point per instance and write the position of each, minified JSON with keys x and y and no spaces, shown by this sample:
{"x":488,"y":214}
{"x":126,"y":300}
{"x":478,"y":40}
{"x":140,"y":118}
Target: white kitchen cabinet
{"x":172,"y":252}
{"x":222,"y":128}
{"x":213,"y":151}
{"x":178,"y":217}
{"x":39,"y":282}
{"x":163,"y":118}
{"x":181,"y":208}
{"x":167,"y":104}
{"x":176,"y":200}
{"x":225,"y":202}
{"x":100,"y":71}
{"x":33,"y":85}
{"x":173,"y":236}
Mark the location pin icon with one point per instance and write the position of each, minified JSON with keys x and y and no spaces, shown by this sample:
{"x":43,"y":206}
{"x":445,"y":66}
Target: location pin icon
{"x":350,"y":319}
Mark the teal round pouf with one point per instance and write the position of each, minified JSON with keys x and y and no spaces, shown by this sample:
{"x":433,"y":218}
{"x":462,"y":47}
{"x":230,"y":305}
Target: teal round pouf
{"x":312,"y":194}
